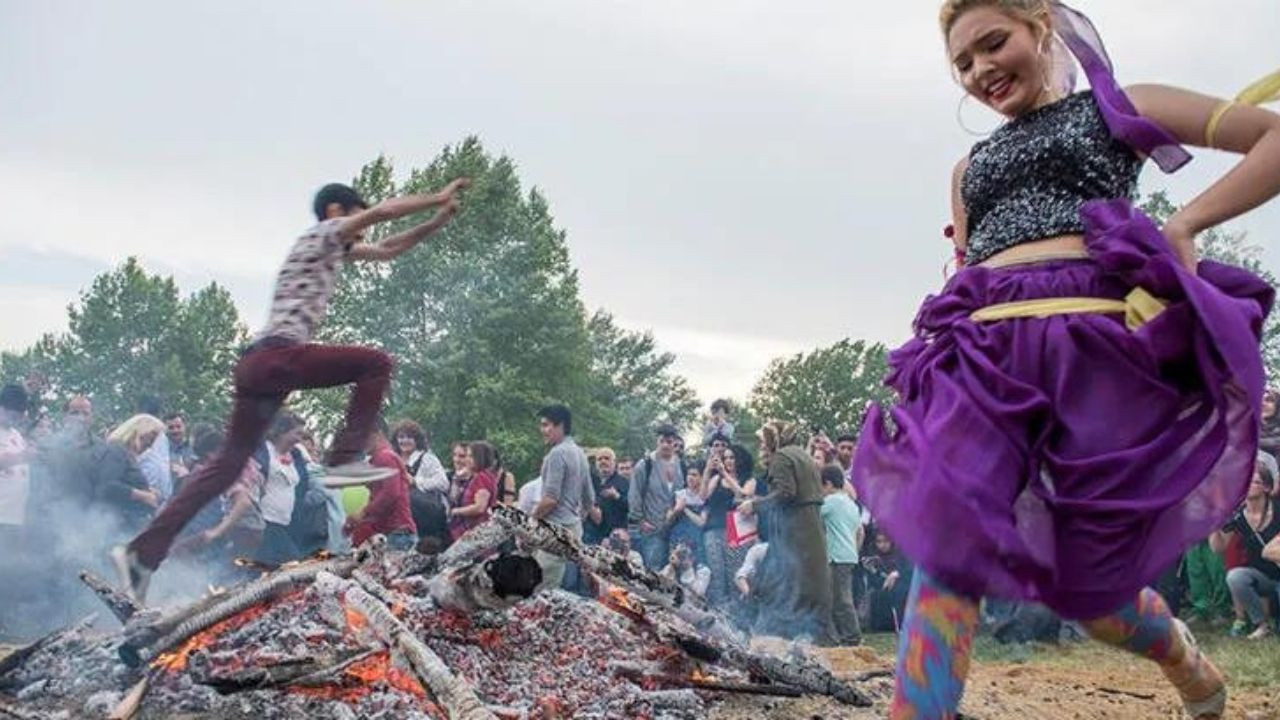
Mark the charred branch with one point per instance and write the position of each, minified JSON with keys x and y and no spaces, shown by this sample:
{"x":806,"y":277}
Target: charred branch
{"x":120,"y":604}
{"x":255,"y":593}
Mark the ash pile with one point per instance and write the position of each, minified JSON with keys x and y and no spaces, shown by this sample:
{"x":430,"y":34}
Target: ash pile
{"x":382,"y":634}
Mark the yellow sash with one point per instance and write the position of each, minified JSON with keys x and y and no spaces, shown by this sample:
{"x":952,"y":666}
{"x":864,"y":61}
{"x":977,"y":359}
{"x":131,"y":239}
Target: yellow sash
{"x":1139,"y":307}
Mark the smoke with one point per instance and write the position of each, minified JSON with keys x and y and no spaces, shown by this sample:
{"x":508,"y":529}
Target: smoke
{"x":66,"y":533}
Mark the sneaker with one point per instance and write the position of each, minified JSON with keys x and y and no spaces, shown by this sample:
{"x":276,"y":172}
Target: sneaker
{"x":1240,"y":628}
{"x":1262,"y":632}
{"x":135,"y":576}
{"x":355,"y":473}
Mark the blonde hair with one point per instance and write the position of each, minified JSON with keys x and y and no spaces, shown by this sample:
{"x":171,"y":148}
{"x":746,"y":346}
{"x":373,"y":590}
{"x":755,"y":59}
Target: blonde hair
{"x":606,"y":452}
{"x":1031,"y":12}
{"x":130,"y":431}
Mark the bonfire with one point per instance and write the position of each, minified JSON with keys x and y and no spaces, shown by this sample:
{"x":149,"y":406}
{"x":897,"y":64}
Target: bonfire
{"x":381,"y":634}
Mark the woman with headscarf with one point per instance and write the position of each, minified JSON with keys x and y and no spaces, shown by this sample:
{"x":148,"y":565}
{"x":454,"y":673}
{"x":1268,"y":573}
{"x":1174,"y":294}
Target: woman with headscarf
{"x":796,"y":566}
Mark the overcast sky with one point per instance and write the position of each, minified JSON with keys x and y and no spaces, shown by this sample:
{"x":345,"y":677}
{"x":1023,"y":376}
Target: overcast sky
{"x":747,"y":179}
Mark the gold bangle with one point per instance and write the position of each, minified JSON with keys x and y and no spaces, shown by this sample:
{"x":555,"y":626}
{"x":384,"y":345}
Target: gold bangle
{"x":1215,"y":120}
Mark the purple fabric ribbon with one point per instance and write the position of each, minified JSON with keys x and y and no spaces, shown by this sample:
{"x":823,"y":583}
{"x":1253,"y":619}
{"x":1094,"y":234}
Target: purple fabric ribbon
{"x":1122,"y":118}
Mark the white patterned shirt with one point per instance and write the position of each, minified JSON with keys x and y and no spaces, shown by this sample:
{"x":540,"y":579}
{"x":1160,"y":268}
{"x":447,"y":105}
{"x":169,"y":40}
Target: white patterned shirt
{"x":306,"y":282}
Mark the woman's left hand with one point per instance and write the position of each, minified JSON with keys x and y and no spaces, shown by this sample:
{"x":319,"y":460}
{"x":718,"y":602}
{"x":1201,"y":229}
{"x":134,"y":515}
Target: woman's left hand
{"x":1183,"y":240}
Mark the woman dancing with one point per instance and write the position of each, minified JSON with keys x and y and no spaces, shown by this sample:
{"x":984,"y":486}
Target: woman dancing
{"x":1080,"y":403}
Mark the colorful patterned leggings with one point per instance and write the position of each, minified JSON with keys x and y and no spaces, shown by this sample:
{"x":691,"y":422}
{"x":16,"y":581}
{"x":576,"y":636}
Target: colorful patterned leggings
{"x":937,"y":638}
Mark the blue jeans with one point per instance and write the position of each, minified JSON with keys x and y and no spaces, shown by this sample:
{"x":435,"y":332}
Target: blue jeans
{"x":401,"y":540}
{"x":653,"y":548}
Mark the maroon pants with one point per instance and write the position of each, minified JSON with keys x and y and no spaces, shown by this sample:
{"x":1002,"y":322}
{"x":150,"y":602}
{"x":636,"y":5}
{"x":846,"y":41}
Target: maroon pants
{"x":263,"y":379}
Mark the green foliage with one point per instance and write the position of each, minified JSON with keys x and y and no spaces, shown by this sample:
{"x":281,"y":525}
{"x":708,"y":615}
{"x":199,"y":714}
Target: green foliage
{"x":634,"y":387}
{"x":828,"y":387}
{"x":132,"y":335}
{"x":1232,"y":248}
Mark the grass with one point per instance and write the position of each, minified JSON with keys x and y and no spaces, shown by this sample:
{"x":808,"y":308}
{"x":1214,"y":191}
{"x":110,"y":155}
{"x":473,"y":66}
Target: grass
{"x":1249,"y":664}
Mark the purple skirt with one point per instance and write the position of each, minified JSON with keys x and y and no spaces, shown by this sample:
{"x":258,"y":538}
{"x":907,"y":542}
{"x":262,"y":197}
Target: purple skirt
{"x":1068,"y":460}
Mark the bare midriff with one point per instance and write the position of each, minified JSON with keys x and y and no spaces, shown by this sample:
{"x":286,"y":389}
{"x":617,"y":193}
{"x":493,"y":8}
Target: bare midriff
{"x":1062,"y":246}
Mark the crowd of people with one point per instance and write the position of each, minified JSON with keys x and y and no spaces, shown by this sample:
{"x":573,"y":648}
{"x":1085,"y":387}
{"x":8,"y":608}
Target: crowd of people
{"x":734,"y":526}
{"x":776,"y":538}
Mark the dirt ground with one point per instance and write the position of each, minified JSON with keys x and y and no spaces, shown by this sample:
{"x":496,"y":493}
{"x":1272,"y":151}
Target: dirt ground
{"x":1077,"y":682}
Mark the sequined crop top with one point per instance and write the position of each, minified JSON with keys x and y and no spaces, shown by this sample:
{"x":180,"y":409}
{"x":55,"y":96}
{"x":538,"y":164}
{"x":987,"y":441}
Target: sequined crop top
{"x":1029,"y":179}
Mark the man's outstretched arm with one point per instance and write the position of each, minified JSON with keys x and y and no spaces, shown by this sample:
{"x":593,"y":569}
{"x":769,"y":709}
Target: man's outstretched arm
{"x":398,"y":207}
{"x":392,"y":247}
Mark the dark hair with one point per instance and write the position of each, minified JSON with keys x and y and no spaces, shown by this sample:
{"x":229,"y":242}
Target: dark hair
{"x":205,"y":439}
{"x":721,"y":437}
{"x":516,"y":575}
{"x":174,"y":415}
{"x":13,"y":397}
{"x":283,"y":423}
{"x":150,"y":405}
{"x":721,"y":404}
{"x":743,"y":462}
{"x":483,"y":456}
{"x":343,"y":195}
{"x":846,"y":437}
{"x":411,"y":429}
{"x":833,"y":475}
{"x":558,"y":415}
{"x":701,"y":467}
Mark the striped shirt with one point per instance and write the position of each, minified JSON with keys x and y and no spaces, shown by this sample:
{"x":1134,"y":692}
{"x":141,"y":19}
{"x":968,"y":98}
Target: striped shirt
{"x":306,"y":283}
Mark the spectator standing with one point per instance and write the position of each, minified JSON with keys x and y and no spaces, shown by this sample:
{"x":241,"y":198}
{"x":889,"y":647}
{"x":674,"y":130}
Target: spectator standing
{"x":429,"y":492}
{"x":15,"y":483}
{"x":651,"y":498}
{"x":118,"y":484}
{"x":1269,"y":437}
{"x":154,"y":461}
{"x":182,"y":457}
{"x":1254,"y":585}
{"x":388,"y":511}
{"x":611,"y":496}
{"x":798,"y":548}
{"x":843,"y":522}
{"x":480,"y":494}
{"x":723,"y":491}
{"x":567,"y":494}
{"x":280,"y":472}
{"x":690,"y":515}
{"x":508,"y":488}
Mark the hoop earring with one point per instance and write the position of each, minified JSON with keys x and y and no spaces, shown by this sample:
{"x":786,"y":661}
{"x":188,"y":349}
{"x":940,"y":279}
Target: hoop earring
{"x":960,"y":119}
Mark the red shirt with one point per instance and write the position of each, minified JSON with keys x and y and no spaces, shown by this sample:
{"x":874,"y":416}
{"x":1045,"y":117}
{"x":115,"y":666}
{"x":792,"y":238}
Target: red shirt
{"x":388,"y":508}
{"x":483,"y":480}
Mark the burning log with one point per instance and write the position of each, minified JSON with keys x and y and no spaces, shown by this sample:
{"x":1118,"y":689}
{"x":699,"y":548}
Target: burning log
{"x":459,"y":698}
{"x":604,"y":563}
{"x":120,"y":604}
{"x":255,"y":593}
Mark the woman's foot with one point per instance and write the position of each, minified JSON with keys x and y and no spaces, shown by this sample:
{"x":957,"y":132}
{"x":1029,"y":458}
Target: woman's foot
{"x":1198,"y":682}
